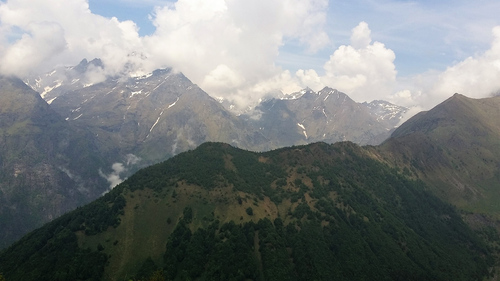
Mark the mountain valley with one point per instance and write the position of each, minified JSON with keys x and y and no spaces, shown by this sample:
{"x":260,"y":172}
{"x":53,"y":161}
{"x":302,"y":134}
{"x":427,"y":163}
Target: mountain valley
{"x":317,"y":211}
{"x":117,"y":125}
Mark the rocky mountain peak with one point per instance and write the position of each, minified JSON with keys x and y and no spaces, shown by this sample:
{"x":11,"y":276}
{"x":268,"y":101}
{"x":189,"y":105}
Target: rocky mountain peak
{"x":387,"y":112}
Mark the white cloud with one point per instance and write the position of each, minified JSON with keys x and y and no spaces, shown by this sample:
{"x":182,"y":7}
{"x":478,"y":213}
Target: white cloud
{"x":361,"y":36}
{"x":114,"y":178}
{"x":310,"y":78}
{"x":363,"y":70}
{"x":475,"y":76}
{"x":132,"y":159}
{"x":42,"y":41}
{"x":228,"y":47}
{"x":366,"y":71}
{"x":42,"y":34}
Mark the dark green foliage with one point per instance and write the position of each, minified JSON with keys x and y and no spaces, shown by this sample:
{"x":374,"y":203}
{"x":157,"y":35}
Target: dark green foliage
{"x":386,"y":228}
{"x":362,"y":221}
{"x":314,"y":252}
{"x":147,"y":269}
{"x":188,"y":215}
{"x":51,"y":253}
{"x":98,"y":216}
{"x":214,"y":253}
{"x":206,"y":167}
{"x":203,"y":169}
{"x":275,"y":258}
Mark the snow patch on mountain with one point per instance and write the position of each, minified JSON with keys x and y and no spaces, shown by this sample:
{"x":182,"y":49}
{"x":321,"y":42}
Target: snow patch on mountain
{"x":136,"y":93}
{"x":48,"y":89}
{"x":157,"y":120}
{"x":170,"y":105}
{"x":297,"y":95}
{"x":51,"y":100}
{"x":386,"y":111}
{"x":303,"y":129}
{"x":158,"y":86}
{"x":141,"y":76}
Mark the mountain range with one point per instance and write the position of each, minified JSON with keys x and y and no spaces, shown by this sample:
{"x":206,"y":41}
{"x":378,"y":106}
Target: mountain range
{"x":318,"y":211}
{"x":96,"y":131}
{"x":158,"y":115}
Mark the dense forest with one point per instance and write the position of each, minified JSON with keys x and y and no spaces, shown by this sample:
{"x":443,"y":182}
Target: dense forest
{"x":341,"y":215}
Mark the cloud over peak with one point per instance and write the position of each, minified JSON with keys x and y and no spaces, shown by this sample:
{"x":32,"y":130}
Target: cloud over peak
{"x":230,"y":48}
{"x":226,"y":46}
{"x":362,"y":69}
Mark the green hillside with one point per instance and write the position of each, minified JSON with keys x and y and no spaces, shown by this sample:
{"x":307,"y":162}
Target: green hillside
{"x":316,"y":212}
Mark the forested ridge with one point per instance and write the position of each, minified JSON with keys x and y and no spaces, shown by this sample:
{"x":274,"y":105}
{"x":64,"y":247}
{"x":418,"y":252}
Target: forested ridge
{"x":315,"y":212}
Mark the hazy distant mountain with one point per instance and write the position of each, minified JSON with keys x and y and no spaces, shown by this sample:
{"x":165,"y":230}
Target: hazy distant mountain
{"x":456,"y":146}
{"x":328,"y":115}
{"x":66,"y":79}
{"x":388,"y":114}
{"x":47,"y":167}
{"x":158,"y":115}
{"x":154,"y":116}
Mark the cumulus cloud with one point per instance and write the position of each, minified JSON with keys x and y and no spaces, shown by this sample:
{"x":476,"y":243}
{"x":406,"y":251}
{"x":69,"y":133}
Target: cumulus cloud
{"x":366,"y":71}
{"x":475,"y":76}
{"x":42,"y":41}
{"x":38,"y":35}
{"x":229,"y":46}
{"x":131,"y":159}
{"x":363,"y":70}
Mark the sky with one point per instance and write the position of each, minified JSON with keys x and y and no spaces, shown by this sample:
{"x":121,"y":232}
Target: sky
{"x":411,"y":53}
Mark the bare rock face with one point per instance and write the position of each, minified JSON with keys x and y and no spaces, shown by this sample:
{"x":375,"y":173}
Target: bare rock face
{"x":161,"y":114}
{"x":154,"y":116}
{"x":47,"y":166}
{"x":328,"y":115}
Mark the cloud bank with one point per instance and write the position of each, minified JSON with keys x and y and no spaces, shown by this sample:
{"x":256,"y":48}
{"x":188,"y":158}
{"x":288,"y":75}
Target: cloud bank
{"x":229,"y":48}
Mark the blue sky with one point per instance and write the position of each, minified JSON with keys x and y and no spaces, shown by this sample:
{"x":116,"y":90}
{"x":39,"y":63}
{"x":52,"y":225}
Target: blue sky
{"x":414,"y":53}
{"x":424,"y":34}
